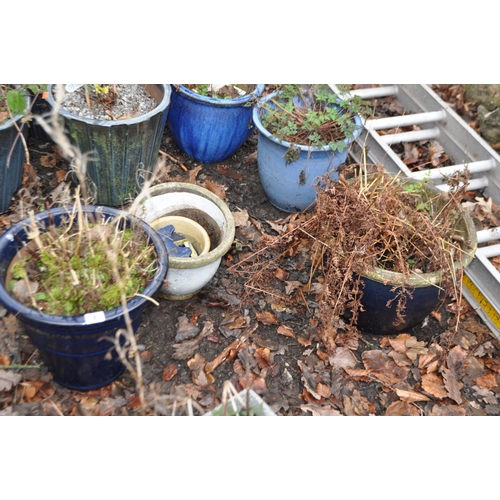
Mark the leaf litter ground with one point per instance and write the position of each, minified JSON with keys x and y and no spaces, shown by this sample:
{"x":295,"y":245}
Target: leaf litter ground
{"x":190,"y":348}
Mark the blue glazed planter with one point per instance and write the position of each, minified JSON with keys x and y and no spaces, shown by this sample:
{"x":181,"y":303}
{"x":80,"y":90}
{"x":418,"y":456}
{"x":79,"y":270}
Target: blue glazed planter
{"x":11,"y":176}
{"x":380,"y":318}
{"x":123,"y":151}
{"x":381,"y":286}
{"x":209,"y":129}
{"x":292,"y":188}
{"x":75,"y":348}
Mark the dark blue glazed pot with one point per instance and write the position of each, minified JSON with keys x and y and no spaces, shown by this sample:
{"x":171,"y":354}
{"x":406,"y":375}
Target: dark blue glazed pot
{"x":75,"y":348}
{"x":124,"y":152}
{"x":292,"y":187}
{"x":381,"y":286}
{"x":209,"y":129}
{"x":11,"y":176}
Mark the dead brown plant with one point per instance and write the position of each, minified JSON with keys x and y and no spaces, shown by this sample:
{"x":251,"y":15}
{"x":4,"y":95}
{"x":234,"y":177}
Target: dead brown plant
{"x":368,"y":219}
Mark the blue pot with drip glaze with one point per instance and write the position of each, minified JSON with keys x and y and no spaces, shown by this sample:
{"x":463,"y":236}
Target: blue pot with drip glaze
{"x":210,"y":129}
{"x":291,"y":185}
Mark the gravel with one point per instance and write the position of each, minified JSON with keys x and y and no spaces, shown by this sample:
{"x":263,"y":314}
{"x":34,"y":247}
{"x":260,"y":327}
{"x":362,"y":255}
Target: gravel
{"x":133,"y":100}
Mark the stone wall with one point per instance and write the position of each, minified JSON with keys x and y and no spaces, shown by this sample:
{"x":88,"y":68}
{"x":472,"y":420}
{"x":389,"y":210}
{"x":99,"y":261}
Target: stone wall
{"x":487,"y":99}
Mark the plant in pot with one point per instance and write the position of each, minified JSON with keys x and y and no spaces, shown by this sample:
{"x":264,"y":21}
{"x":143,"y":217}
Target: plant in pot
{"x":121,"y":126}
{"x":303,"y":134}
{"x":383,"y":252}
{"x":246,"y":403}
{"x":78,"y":277}
{"x":15,"y":105}
{"x":72,"y":276}
{"x":210,"y":122}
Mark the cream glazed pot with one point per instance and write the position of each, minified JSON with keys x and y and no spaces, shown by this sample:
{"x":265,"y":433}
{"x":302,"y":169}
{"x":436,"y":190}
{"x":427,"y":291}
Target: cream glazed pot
{"x":187,"y":276}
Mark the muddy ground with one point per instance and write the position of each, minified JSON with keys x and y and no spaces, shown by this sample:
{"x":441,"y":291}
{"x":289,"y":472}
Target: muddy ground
{"x":420,"y":372}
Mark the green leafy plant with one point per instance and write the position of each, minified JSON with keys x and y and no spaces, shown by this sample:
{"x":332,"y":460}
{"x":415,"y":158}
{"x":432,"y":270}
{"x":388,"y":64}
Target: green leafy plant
{"x":312,"y":116}
{"x":81,"y":266}
{"x":218,"y":91}
{"x":14,"y":101}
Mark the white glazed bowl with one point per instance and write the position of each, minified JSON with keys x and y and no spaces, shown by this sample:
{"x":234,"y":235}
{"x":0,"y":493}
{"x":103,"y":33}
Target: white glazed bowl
{"x":186,"y":277}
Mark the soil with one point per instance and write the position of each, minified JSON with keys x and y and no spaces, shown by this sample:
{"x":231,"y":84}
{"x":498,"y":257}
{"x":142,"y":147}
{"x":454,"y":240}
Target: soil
{"x":423,"y":371}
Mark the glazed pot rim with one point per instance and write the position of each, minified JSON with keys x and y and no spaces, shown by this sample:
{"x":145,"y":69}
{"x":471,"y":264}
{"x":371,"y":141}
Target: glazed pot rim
{"x":103,"y":316}
{"x":258,"y":123}
{"x":214,"y":101}
{"x":223,"y":247}
{"x":162,"y":105}
{"x":469,"y":247}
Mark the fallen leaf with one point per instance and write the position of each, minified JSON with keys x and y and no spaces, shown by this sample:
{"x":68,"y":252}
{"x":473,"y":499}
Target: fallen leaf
{"x":401,"y":409}
{"x":48,"y":161}
{"x":251,"y":158}
{"x":286,"y":331}
{"x":310,"y":380}
{"x":399,"y":343}
{"x":433,"y":384}
{"x":485,"y":394}
{"x":185,"y":329}
{"x":216,"y":188}
{"x":410,"y":396}
{"x":169,"y":372}
{"x":357,"y":405}
{"x":321,"y":411}
{"x":323,"y":390}
{"x":488,"y":380}
{"x":186,"y":349}
{"x":198,"y":375}
{"x":453,"y":386}
{"x":233,"y":324}
{"x":281,"y":274}
{"x":456,"y":360}
{"x":262,"y":356}
{"x":435,"y":153}
{"x":9,"y":379}
{"x":428,"y":363}
{"x":415,"y":348}
{"x":290,"y":286}
{"x":343,"y":358}
{"x":226,"y":170}
{"x":266,"y":318}
{"x":192,"y":174}
{"x":241,"y":218}
{"x":303,"y":341}
{"x":252,"y":381}
{"x":383,"y":368}
{"x":447,"y":411}
{"x":133,"y":402}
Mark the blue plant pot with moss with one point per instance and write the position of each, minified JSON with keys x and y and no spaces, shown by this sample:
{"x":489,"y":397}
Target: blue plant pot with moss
{"x":77,"y":350}
{"x":210,"y":129}
{"x":292,"y":187}
{"x":11,"y":175}
{"x":124,"y":152}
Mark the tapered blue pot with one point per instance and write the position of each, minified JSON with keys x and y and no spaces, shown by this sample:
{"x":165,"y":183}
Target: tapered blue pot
{"x":380,"y":300}
{"x":11,"y":175}
{"x":382,"y":288}
{"x":292,"y":187}
{"x":209,"y":129}
{"x":77,"y":349}
{"x":123,"y":152}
